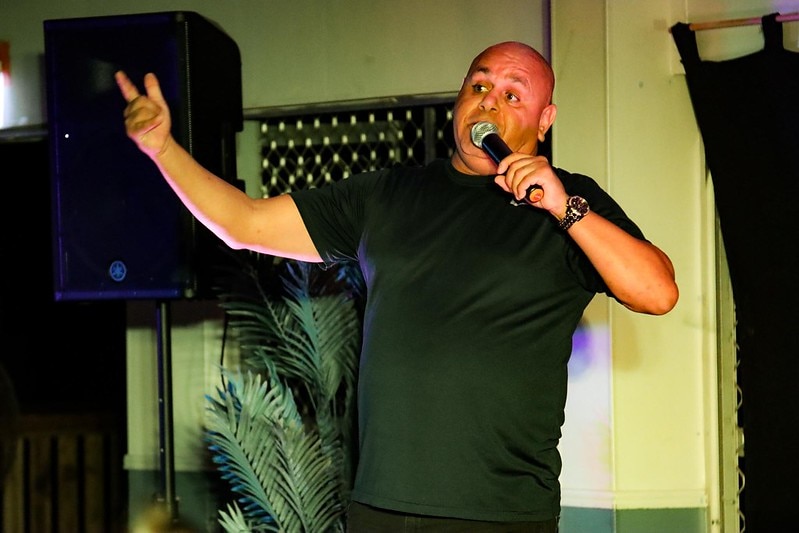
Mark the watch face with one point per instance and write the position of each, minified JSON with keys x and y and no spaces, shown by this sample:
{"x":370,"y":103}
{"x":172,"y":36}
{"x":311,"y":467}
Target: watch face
{"x":578,"y":203}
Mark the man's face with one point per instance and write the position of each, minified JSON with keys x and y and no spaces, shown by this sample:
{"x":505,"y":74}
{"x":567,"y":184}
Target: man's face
{"x":506,"y":85}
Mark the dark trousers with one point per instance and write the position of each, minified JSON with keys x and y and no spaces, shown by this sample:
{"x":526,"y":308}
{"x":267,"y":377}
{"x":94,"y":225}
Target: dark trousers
{"x":365,"y":519}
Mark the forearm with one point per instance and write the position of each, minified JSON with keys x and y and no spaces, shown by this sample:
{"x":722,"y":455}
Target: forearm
{"x":265,"y":225}
{"x":638,"y":273}
{"x":212,"y":200}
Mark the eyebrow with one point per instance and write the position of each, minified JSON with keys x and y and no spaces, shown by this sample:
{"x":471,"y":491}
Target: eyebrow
{"x":514,"y":79}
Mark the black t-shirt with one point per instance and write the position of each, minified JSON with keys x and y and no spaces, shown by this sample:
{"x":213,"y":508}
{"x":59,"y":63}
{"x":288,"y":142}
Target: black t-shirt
{"x":471,"y":307}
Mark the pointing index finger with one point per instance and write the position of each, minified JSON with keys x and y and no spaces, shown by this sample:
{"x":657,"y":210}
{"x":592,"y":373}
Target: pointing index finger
{"x":126,"y":87}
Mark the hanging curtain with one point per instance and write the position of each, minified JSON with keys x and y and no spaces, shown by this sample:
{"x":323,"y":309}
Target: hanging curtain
{"x":747,"y":111}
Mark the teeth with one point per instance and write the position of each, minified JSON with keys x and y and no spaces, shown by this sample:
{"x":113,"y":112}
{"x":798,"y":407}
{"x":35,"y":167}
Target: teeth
{"x":480,"y":130}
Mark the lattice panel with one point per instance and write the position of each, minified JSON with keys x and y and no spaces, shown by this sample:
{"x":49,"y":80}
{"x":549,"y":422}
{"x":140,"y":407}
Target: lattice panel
{"x":308,"y":150}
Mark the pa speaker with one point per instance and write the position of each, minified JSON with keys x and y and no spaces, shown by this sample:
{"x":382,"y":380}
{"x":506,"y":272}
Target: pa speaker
{"x":119,"y":231}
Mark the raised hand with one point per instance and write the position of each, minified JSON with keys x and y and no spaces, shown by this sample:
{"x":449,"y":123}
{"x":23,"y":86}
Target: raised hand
{"x":147,"y":119}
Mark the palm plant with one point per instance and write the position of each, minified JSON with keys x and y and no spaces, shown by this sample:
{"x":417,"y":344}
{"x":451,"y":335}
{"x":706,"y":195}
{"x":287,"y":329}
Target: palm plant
{"x":280,"y":429}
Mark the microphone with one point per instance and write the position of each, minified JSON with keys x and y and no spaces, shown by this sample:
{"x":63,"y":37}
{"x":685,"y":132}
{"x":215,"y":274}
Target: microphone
{"x":485,"y":135}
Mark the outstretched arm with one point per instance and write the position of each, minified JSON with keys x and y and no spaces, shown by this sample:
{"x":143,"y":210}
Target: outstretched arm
{"x":267,"y":225}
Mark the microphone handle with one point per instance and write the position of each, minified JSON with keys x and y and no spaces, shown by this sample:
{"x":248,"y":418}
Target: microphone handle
{"x":497,"y":150}
{"x":495,"y":147}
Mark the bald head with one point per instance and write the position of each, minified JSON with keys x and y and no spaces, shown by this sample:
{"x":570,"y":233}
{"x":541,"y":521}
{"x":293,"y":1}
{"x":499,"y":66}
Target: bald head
{"x":526,"y":53}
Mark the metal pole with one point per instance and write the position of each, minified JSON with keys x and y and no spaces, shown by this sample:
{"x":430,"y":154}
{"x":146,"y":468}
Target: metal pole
{"x":167,"y":447}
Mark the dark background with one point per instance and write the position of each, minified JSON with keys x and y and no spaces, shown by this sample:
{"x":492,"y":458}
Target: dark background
{"x":62,"y":357}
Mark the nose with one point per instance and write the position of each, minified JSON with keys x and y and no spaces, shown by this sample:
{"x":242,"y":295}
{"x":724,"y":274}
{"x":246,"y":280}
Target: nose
{"x":489,"y":102}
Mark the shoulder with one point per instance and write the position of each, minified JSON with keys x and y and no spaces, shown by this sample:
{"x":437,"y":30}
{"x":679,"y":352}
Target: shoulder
{"x":600,"y":200}
{"x":577,"y":184}
{"x":574,"y":182}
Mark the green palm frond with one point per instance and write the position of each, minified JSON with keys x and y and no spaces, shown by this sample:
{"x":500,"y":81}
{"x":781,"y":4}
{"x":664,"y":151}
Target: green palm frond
{"x":233,"y":520}
{"x":282,"y":436}
{"x":263,"y":449}
{"x":240,"y":447}
{"x":328,"y":332}
{"x":293,"y":330}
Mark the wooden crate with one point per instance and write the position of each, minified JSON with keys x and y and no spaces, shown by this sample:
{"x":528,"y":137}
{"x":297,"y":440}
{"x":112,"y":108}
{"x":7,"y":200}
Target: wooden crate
{"x":67,"y":476}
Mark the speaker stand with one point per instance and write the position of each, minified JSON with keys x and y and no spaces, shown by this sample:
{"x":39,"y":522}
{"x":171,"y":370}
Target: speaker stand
{"x":165,"y":423}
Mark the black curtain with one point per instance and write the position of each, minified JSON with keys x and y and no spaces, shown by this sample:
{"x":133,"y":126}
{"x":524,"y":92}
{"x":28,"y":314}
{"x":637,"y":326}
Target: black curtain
{"x":747,"y":110}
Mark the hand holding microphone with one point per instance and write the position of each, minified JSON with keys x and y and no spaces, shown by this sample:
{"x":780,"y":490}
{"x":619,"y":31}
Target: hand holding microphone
{"x":485,"y":135}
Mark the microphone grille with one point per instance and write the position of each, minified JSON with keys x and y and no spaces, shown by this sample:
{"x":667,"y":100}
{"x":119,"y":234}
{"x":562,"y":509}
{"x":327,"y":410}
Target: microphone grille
{"x":480,"y":130}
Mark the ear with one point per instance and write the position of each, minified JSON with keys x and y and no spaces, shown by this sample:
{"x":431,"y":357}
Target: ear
{"x":546,"y":120}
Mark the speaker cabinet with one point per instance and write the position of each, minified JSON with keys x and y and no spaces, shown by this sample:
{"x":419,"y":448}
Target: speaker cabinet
{"x":119,"y":231}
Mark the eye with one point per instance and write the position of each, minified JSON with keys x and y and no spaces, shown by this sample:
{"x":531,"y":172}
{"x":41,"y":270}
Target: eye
{"x":479,"y":88}
{"x":511,"y":97}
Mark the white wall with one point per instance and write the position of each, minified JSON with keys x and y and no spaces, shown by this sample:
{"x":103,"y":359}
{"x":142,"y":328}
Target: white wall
{"x":301,"y":51}
{"x":625,"y":117}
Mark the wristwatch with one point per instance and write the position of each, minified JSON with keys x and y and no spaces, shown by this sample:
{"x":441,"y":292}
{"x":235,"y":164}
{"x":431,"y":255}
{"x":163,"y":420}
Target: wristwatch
{"x":576,"y":209}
